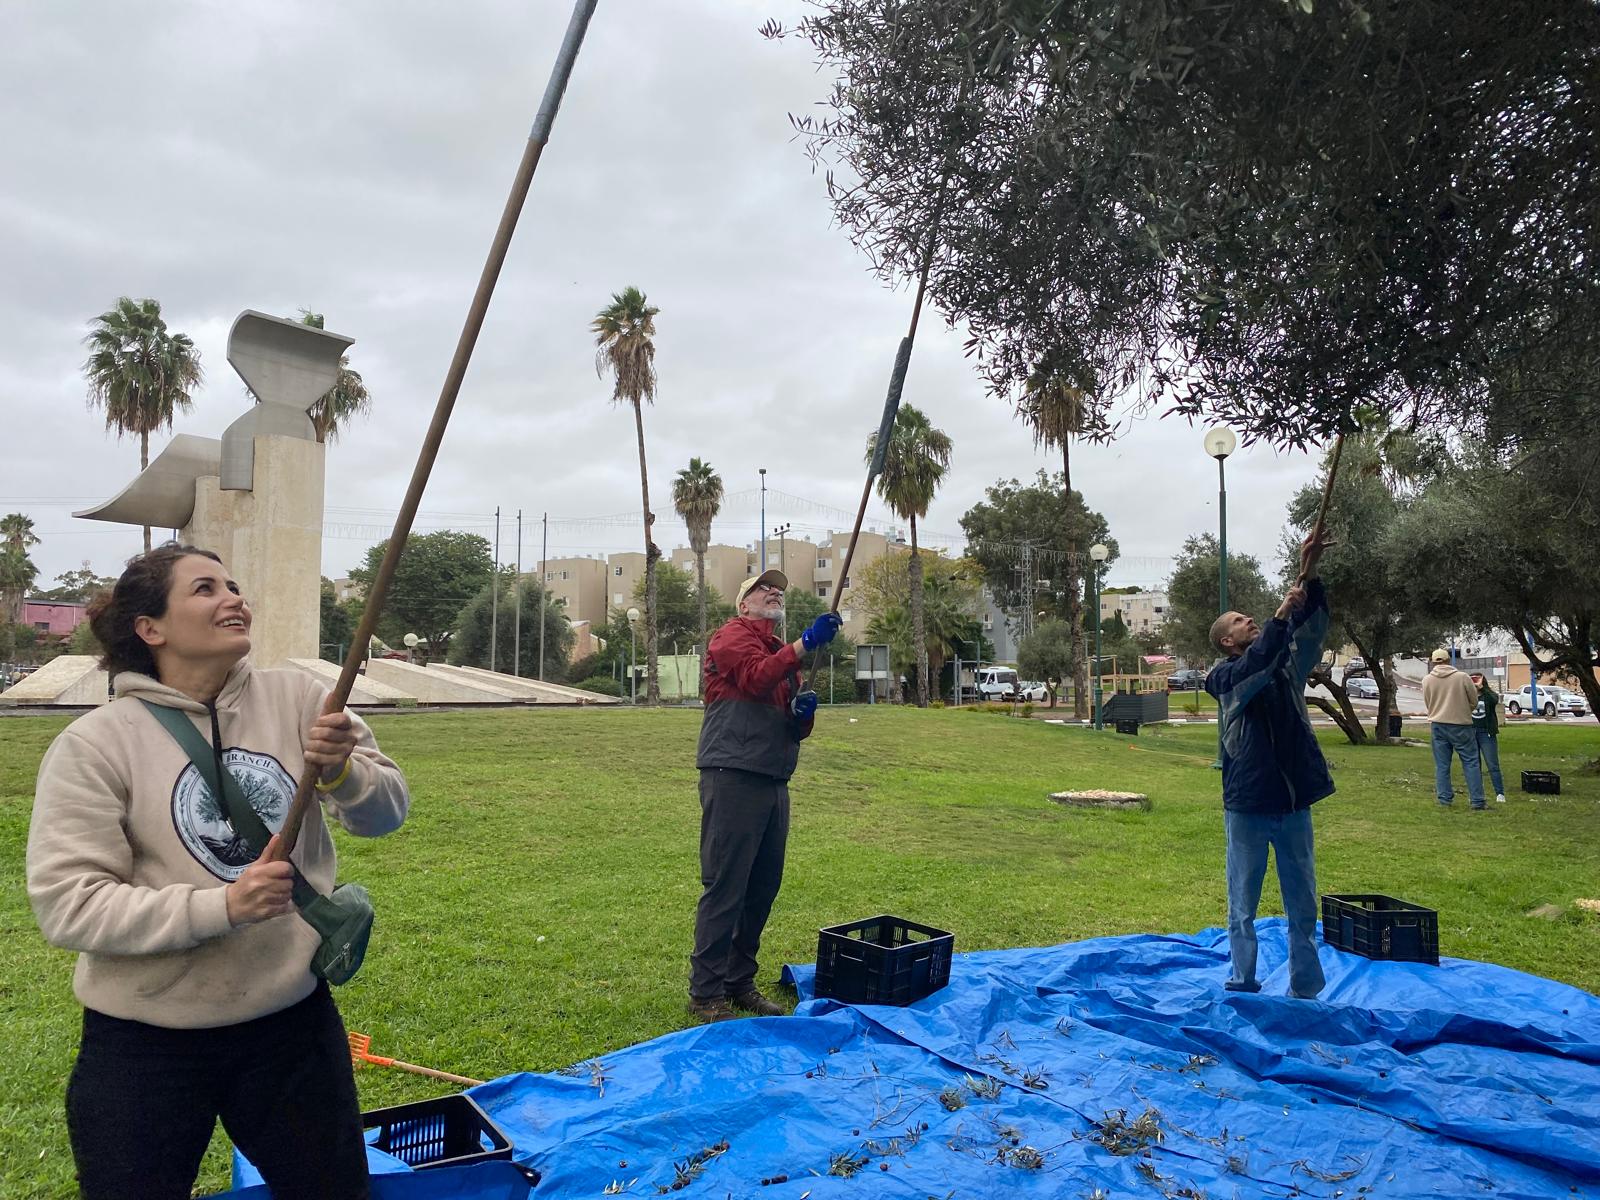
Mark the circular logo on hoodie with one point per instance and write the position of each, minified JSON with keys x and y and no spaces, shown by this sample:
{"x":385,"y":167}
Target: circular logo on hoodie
{"x":200,"y":819}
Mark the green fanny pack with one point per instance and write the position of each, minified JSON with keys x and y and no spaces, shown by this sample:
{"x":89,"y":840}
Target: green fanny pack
{"x":343,"y":920}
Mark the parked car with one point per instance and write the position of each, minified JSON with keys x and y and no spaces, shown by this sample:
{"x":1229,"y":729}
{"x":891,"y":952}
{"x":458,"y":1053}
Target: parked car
{"x":1362,"y":687}
{"x":1186,"y":681}
{"x":1552,"y":700}
{"x":1356,"y":666}
{"x":997,"y":683}
{"x":1032,"y":689}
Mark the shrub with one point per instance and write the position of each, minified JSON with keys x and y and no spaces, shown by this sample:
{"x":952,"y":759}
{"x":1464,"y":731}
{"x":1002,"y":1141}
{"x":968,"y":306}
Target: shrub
{"x":935,"y":703}
{"x":603,"y":684}
{"x":1027,"y":709}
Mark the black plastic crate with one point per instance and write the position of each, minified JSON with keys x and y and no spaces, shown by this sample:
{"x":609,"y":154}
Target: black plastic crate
{"x":449,"y":1131}
{"x":1128,"y":725}
{"x":1545,"y":783}
{"x":882,"y":960}
{"x":1381,"y":927}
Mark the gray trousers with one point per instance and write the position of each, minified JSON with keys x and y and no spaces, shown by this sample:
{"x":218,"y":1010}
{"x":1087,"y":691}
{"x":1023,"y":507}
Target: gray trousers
{"x":744,"y":827}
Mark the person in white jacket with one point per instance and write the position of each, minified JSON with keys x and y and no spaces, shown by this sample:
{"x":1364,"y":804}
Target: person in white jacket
{"x":193,"y":967}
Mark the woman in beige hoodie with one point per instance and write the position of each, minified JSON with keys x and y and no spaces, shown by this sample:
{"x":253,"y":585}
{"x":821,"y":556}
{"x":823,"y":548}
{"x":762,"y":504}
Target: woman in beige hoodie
{"x":193,"y":969}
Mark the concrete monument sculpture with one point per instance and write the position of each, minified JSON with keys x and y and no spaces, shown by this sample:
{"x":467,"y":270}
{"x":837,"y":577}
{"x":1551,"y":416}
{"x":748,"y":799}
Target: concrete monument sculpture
{"x":255,"y":496}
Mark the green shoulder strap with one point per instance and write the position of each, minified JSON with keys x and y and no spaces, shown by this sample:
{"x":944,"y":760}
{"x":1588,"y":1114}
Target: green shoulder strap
{"x":235,"y":807}
{"x":343,"y":920}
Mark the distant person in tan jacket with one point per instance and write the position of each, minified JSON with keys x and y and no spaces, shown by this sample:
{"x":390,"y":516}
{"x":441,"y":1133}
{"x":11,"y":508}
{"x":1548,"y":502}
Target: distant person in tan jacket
{"x":1450,"y":697}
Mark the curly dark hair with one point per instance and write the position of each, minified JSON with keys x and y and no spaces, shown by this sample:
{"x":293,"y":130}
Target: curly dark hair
{"x":140,"y":591}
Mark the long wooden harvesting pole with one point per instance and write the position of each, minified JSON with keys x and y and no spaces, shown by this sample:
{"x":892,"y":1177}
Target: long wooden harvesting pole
{"x":537,"y":138}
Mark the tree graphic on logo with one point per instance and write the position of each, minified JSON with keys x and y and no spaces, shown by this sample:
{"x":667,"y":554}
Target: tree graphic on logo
{"x":224,"y":841}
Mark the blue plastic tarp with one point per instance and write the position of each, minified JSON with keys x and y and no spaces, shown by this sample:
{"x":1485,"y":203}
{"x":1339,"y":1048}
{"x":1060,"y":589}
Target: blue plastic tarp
{"x":1031,"y":1071}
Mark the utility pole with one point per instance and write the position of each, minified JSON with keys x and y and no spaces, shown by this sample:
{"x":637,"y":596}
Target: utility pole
{"x":763,"y":471}
{"x":544,"y":547}
{"x":516,"y":636}
{"x":782,"y":532}
{"x":494,"y":592}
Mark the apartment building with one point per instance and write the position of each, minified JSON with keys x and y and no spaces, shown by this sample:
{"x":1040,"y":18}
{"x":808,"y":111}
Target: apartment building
{"x":795,"y":557}
{"x":624,"y":571}
{"x":726,"y":567}
{"x":830,"y":561}
{"x":1141,"y":612}
{"x":582,"y":584}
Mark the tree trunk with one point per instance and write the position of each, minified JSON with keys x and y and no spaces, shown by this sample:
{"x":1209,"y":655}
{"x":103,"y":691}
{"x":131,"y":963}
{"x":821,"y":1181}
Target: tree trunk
{"x":919,"y":637}
{"x":652,"y":693}
{"x":1344,"y":716}
{"x":700,"y":589}
{"x":1078,"y":657}
{"x":144,"y":461}
{"x":1383,"y":675}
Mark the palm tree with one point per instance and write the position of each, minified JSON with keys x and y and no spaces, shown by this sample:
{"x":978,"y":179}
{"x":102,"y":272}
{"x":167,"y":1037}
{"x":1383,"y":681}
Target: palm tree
{"x":1053,"y":407}
{"x":347,"y":398}
{"x":913,"y":467}
{"x":623,"y":332}
{"x":139,"y":373}
{"x":17,"y":571}
{"x":697,"y":495}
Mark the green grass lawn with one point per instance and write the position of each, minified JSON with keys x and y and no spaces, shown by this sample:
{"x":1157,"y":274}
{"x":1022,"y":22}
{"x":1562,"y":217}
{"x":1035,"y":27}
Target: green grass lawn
{"x":537,"y":908}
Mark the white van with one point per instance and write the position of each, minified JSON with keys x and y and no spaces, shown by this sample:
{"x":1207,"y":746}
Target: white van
{"x":997,"y":683}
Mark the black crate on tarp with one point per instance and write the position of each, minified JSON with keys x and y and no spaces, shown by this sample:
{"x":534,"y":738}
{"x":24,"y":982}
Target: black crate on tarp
{"x":882,"y":960}
{"x":1544,"y":783}
{"x":446,"y":1131}
{"x":1381,"y":927}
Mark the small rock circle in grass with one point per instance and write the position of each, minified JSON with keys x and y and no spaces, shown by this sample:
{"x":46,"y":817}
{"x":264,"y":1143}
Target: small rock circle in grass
{"x":1101,"y":798}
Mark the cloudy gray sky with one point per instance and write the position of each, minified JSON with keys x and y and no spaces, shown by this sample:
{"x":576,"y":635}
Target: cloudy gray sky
{"x":353,"y":158}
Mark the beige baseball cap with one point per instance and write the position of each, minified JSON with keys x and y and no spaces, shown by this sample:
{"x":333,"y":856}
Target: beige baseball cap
{"x":1439,"y":656}
{"x":774,"y":578}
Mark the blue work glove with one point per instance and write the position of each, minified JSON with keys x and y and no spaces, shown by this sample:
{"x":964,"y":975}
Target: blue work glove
{"x":822,"y":631}
{"x":804,"y":706}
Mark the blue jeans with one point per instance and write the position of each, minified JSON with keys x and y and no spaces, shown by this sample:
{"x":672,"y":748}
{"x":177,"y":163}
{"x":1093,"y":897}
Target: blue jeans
{"x":1289,"y":836}
{"x":1463,"y":741}
{"x":1489,"y":755}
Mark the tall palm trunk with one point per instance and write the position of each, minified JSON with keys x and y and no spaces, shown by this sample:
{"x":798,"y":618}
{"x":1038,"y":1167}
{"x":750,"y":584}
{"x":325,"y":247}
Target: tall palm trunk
{"x":144,"y":461}
{"x":1079,"y":657}
{"x":700,"y":593}
{"x":919,"y":637}
{"x":652,"y":693}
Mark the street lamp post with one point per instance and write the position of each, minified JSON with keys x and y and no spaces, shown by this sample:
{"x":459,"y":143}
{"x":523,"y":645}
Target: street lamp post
{"x":1099,"y":553}
{"x":763,"y":471}
{"x":1219,"y":443}
{"x":633,"y":664}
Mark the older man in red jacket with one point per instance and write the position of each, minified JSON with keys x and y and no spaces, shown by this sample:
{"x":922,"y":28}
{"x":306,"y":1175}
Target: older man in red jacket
{"x":756,"y":716}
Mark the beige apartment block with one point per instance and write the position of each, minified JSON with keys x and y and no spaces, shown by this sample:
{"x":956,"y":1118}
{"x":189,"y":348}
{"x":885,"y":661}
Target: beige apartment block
{"x":582,"y":584}
{"x":726,"y":567}
{"x":795,"y":557}
{"x":623,"y":572}
{"x":830,"y":560}
{"x":1141,"y":612}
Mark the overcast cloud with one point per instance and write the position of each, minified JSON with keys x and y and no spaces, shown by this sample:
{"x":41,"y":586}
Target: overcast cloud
{"x":353,"y":159}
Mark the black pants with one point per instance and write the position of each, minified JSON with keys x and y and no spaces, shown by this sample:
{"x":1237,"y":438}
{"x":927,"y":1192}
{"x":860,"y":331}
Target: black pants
{"x":744,"y":826}
{"x":142,"y":1102}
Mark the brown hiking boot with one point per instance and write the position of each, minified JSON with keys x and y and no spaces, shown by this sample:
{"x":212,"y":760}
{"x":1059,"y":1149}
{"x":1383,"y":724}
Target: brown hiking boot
{"x":752,"y":1001}
{"x":709,"y":1011}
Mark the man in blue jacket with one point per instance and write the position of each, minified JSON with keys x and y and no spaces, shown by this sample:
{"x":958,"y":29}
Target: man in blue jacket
{"x":1272,"y":769}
